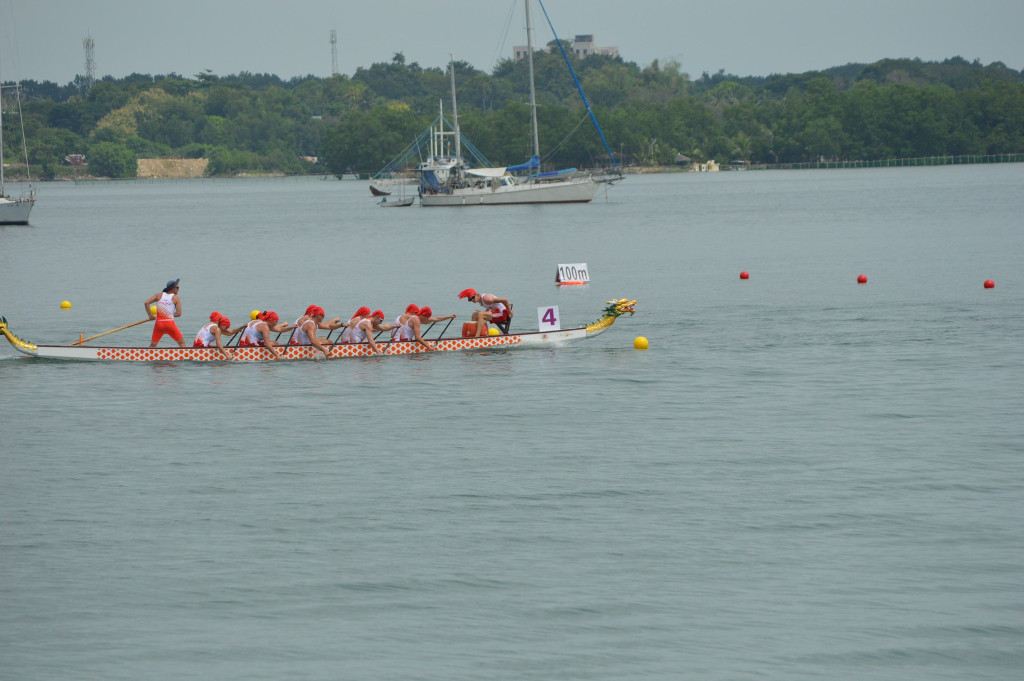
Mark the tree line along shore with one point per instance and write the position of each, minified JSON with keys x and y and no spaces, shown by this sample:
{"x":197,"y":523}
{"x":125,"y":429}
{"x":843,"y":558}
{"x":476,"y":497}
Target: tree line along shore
{"x":655,"y":116}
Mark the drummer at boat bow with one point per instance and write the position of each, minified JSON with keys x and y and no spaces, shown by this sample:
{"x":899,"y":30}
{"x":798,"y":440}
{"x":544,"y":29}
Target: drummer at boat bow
{"x":168,"y":306}
{"x":496,"y":310}
{"x":304,"y":330}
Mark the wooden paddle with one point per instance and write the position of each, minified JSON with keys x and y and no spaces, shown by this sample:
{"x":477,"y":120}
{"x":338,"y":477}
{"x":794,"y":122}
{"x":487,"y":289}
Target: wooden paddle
{"x":126,"y":326}
{"x":340,"y":328}
{"x":445,"y":329}
{"x":424,"y":334}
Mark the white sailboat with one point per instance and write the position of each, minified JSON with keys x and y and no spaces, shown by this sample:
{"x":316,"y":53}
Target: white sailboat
{"x":13,"y":211}
{"x":447,"y":180}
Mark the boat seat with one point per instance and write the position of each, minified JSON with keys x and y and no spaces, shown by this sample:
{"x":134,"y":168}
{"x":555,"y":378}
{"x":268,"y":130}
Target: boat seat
{"x":503,"y":326}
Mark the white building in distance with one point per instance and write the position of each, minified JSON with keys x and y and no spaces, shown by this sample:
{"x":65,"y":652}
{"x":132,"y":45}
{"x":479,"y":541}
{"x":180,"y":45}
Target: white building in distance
{"x":583,"y":46}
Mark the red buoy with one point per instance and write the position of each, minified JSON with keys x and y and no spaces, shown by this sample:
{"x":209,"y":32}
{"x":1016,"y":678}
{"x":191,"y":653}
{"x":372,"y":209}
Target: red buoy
{"x":744,"y":275}
{"x":989,"y":283}
{"x":862,"y":279}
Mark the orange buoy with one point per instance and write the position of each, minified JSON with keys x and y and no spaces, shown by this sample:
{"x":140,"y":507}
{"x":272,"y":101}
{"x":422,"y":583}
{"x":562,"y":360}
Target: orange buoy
{"x":862,"y":279}
{"x":744,"y":275}
{"x":989,"y":283}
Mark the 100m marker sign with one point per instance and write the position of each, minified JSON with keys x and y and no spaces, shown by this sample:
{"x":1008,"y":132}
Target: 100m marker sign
{"x":572,"y":274}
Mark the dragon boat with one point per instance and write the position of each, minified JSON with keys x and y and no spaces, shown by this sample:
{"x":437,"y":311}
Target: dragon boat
{"x":535,"y":339}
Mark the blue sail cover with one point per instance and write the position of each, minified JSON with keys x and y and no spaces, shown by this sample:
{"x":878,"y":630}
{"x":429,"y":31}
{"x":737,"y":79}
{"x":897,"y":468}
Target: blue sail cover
{"x":579,"y":87}
{"x":532,"y":164}
{"x":428,"y":180}
{"x":555,"y":173}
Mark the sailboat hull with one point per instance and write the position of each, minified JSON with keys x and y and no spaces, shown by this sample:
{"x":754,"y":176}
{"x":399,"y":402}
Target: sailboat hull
{"x":15,"y":211}
{"x":541,"y":192}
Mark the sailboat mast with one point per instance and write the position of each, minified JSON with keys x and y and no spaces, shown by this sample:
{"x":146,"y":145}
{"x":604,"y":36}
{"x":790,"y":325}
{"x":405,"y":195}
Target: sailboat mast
{"x":455,"y":108}
{"x":533,"y":93}
{"x":437,"y":139}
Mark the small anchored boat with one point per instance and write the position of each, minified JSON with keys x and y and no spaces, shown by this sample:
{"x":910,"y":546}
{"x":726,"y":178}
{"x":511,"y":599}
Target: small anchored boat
{"x":396,"y":203}
{"x":535,"y":339}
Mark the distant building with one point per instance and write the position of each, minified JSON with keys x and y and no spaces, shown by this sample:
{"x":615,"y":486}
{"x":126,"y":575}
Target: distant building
{"x":583,"y":46}
{"x":709,"y":167}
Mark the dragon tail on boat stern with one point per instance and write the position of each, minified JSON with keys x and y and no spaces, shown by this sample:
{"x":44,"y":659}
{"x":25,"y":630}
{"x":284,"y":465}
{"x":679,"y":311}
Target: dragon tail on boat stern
{"x":18,"y":343}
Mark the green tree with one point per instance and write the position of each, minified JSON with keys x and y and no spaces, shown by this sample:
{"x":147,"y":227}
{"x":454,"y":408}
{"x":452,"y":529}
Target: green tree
{"x":227,"y":162}
{"x":251,"y":121}
{"x":108,"y":159}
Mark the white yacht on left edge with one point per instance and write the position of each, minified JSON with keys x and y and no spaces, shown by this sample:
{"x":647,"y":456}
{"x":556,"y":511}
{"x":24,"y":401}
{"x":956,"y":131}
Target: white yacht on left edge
{"x":13,"y":211}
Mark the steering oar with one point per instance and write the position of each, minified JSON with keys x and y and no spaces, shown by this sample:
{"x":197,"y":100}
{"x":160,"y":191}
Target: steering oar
{"x":120,"y":328}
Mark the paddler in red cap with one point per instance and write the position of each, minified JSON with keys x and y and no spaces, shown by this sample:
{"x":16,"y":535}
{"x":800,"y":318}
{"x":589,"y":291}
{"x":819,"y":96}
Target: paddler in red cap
{"x":360,"y":329}
{"x":496,"y":310}
{"x":362,"y":313}
{"x":396,"y":328}
{"x":168,"y":306}
{"x":377,"y":320}
{"x":413,"y":310}
{"x":257,"y":332}
{"x":304,"y":329}
{"x":411,"y":330}
{"x":212,"y":334}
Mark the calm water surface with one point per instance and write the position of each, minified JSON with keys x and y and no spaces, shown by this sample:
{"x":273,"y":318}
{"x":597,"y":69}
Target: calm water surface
{"x":802,"y":478}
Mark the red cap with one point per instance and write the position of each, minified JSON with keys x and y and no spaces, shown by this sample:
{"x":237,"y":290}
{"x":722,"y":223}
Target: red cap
{"x":362,"y":312}
{"x":225,"y":322}
{"x":425,"y":312}
{"x":379,"y":314}
{"x":466,"y":293}
{"x":270,"y":317}
{"x":214,"y":316}
{"x":412,"y":309}
{"x":311,"y":310}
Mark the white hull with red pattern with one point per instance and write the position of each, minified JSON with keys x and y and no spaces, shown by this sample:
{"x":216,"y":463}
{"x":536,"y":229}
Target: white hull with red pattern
{"x":535,"y":339}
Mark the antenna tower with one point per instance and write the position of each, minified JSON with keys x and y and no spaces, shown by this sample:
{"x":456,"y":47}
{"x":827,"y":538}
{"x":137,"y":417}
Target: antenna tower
{"x":90,"y":62}
{"x":334,"y":52}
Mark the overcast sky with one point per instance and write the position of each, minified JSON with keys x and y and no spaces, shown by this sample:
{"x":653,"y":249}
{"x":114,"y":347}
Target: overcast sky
{"x":42,"y":39}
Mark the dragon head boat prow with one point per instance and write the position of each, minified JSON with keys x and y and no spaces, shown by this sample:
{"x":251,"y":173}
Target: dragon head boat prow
{"x":615,"y":309}
{"x":19,"y":344}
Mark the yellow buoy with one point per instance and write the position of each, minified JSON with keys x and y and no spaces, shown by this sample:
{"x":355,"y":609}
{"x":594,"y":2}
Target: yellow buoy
{"x":66,"y":305}
{"x":152,"y":310}
{"x":640,"y":343}
{"x":493,"y":332}
{"x":254,"y":314}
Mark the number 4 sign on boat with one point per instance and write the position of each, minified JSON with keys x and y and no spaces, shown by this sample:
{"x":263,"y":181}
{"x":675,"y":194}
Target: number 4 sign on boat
{"x":548,"y":319}
{"x":573,"y":274}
